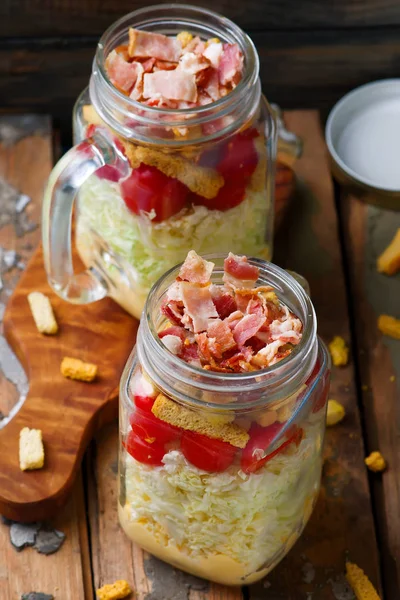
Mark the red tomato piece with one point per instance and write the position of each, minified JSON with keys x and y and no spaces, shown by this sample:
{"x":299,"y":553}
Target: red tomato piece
{"x":205,"y":453}
{"x":239,"y":156}
{"x":149,"y":454}
{"x":148,"y":189}
{"x":144,"y":403}
{"x":229,"y":196}
{"x":260,"y":439}
{"x":107,"y":172}
{"x":151,"y":429}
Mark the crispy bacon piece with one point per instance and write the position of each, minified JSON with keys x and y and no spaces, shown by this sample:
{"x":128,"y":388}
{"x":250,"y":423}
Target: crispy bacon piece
{"x":173,"y":310}
{"x":179,"y":332}
{"x":213,"y":53}
{"x":172,"y":85}
{"x":195,"y":269}
{"x":122,"y":74}
{"x":247,"y":328}
{"x":153,"y":45}
{"x":287,"y":331}
{"x":223,"y":301}
{"x":192,"y":63}
{"x":198,"y":305}
{"x":234,"y":318}
{"x":173,"y":343}
{"x":239,"y":272}
{"x":230,"y":65}
{"x":221,"y":331}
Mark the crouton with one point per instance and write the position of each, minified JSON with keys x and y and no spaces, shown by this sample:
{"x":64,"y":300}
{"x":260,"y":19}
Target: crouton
{"x":31,"y":451}
{"x":389,"y":326}
{"x":74,"y":368}
{"x":169,"y":411}
{"x":335,"y":413}
{"x":42,"y":313}
{"x":200,"y":180}
{"x":375,"y":462}
{"x":90,"y":115}
{"x":114,"y":591}
{"x":362,"y":587}
{"x":339,"y":351}
{"x":389,"y":261}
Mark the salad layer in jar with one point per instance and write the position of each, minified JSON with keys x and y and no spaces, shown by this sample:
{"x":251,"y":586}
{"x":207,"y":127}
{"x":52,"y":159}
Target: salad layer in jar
{"x":210,"y":196}
{"x":219,"y":491}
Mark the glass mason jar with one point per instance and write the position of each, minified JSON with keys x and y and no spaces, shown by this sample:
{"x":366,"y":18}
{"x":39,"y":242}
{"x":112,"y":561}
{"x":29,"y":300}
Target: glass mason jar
{"x":223,"y":512}
{"x":125,"y":252}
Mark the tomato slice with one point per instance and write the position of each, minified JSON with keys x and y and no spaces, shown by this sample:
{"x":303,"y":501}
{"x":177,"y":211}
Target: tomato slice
{"x":144,"y":402}
{"x":149,"y":454}
{"x":207,"y":454}
{"x":151,"y":429}
{"x":229,"y":196}
{"x":239,"y":156}
{"x":148,"y":189}
{"x":260,"y":439}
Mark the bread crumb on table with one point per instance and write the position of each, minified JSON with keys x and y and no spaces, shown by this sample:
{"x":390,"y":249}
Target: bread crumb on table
{"x":335,"y":413}
{"x":389,"y":261}
{"x":339,"y":351}
{"x":375,"y":462}
{"x":42,"y":313}
{"x":114,"y":591}
{"x":362,"y":587}
{"x":74,"y":368}
{"x":31,"y":451}
{"x":389,"y":326}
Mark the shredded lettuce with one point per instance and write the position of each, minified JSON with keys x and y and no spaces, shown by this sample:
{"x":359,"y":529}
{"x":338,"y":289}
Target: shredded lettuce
{"x":153,"y":248}
{"x":251,"y":518}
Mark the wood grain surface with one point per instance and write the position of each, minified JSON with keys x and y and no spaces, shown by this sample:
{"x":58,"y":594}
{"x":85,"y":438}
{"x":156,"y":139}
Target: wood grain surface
{"x":368,"y":230}
{"x":83,"y":17}
{"x":97,"y":552}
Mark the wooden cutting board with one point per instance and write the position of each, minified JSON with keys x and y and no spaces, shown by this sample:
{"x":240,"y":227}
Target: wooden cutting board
{"x":68,"y":412}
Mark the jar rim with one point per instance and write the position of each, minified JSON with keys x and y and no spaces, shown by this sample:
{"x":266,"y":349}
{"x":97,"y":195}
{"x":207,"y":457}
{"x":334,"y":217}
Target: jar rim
{"x":290,"y":372}
{"x":163,"y":14}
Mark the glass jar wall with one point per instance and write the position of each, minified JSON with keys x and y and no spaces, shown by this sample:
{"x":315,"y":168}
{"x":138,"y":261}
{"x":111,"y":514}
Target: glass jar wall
{"x":226,"y":506}
{"x":155,"y":182}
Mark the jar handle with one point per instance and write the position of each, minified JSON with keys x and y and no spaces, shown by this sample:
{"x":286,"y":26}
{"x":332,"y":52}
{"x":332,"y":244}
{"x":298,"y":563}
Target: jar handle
{"x":289,"y":145}
{"x":74,"y":168}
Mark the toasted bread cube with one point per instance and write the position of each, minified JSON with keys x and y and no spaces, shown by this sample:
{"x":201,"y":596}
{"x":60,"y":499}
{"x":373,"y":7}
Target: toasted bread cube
{"x":31,"y":451}
{"x":362,"y":587}
{"x":184,"y":37}
{"x":42,"y":313}
{"x":375,"y":462}
{"x":389,"y":326}
{"x":339,"y":351}
{"x":74,"y":368}
{"x":335,"y":413}
{"x":173,"y":413}
{"x":114,"y":591}
{"x":389,"y":261}
{"x":90,"y":115}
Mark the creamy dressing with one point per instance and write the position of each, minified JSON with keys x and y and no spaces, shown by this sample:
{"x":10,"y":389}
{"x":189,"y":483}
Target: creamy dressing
{"x":370,"y":144}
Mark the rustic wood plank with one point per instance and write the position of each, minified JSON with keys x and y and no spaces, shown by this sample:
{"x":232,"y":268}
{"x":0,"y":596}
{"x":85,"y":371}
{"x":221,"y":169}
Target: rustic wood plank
{"x":60,"y":574}
{"x":115,"y":557}
{"x":342,"y":524}
{"x":74,"y":17}
{"x":298,"y":68}
{"x":368,"y":230}
{"x":25,"y":162}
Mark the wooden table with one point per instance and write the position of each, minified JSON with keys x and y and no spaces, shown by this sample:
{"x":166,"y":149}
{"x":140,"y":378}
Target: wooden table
{"x":333,"y":240}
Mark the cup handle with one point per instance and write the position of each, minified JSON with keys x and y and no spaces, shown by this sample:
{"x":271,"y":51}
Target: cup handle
{"x":290,"y":145}
{"x":74,"y":168}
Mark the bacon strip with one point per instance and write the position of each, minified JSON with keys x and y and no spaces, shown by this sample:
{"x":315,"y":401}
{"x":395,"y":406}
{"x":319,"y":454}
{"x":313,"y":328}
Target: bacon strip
{"x":198,"y":305}
{"x":247,"y":328}
{"x":122,"y":74}
{"x":221,"y":331}
{"x":153,"y":45}
{"x":195,"y":269}
{"x":230,"y":65}
{"x":172,"y":85}
{"x":239,"y":272}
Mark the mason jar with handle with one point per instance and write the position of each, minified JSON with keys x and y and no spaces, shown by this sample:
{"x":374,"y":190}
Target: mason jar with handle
{"x":219,"y":471}
{"x":148,"y":183}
